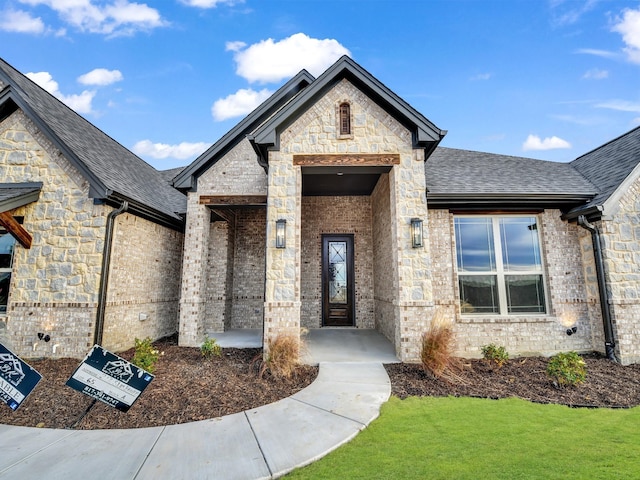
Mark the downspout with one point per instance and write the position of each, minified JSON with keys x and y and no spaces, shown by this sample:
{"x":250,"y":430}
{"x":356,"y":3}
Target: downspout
{"x":605,"y":306}
{"x":104,"y":279}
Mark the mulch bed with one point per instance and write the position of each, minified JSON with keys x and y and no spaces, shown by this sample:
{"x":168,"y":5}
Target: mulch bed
{"x":608,"y":384}
{"x":188,"y":388}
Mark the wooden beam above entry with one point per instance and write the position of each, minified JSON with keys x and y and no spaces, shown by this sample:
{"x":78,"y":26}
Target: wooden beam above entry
{"x":348,"y":160}
{"x":233,"y":200}
{"x":15,"y":229}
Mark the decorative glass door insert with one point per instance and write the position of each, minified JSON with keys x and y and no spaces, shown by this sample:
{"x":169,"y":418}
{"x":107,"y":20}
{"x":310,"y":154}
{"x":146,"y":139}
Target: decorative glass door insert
{"x":337,"y":280}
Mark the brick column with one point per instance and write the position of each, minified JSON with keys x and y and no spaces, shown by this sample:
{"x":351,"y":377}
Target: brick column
{"x":194,"y":273}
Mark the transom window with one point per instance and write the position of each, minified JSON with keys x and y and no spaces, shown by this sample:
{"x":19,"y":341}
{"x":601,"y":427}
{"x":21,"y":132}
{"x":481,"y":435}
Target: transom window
{"x":499,"y":265}
{"x":7,"y":244}
{"x":345,"y":119}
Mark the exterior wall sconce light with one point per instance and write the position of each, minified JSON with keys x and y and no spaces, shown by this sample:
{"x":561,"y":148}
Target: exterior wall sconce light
{"x":281,"y":238}
{"x":416,"y":232}
{"x":44,"y":336}
{"x":572,"y":330}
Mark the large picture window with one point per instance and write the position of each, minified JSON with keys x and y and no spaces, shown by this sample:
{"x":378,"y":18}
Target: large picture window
{"x":7,"y":244}
{"x":499,"y":265}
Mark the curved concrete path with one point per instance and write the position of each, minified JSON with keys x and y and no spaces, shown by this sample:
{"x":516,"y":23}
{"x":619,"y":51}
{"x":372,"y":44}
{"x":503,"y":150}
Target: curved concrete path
{"x":265,"y":442}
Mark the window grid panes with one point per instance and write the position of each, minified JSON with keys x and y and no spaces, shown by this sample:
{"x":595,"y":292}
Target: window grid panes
{"x":499,"y":265}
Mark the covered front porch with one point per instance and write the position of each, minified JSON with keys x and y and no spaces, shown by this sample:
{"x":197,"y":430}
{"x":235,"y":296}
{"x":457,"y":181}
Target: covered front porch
{"x":322,"y":344}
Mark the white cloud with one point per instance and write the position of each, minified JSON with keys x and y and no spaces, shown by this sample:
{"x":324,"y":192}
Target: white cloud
{"x":534,"y":142}
{"x":210,"y":3}
{"x":182,"y":151}
{"x":481,"y":77}
{"x":620,"y":105}
{"x":597,"y":53}
{"x":237,"y":104}
{"x":234,"y":46}
{"x":629,"y":27}
{"x":120,"y":17}
{"x":20,"y":22}
{"x":570,"y":12}
{"x":596,"y":74}
{"x":100,"y":76}
{"x":270,"y":61}
{"x":81,"y":103}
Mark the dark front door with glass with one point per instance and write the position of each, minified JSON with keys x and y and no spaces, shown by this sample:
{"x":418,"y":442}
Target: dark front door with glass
{"x":337,"y":281}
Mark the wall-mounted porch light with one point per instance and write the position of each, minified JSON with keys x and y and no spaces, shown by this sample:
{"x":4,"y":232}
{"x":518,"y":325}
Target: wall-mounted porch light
{"x":281,"y":228}
{"x":416,"y":232}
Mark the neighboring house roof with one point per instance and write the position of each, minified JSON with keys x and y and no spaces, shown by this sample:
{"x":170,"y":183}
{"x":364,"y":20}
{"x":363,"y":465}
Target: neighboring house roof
{"x":187,"y":179}
{"x":612,"y":167}
{"x":170,"y":174}
{"x":424,"y":133}
{"x":15,"y":195}
{"x":463,"y":178}
{"x":113,"y":172}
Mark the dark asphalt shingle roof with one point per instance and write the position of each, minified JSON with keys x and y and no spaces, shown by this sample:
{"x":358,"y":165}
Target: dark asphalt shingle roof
{"x":110,"y":167}
{"x":14,"y":195}
{"x":454,"y":171}
{"x":608,"y":165}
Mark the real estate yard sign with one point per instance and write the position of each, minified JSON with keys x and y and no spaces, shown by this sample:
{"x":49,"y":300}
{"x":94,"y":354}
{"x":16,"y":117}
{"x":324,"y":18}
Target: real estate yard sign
{"x":106,"y":377}
{"x":17,"y":379}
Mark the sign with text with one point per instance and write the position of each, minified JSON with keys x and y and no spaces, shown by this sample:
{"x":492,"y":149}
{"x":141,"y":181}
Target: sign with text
{"x":107,"y":377}
{"x":17,"y":378}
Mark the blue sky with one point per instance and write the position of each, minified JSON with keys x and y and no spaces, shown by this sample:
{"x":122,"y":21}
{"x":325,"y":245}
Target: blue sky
{"x":544,"y":79}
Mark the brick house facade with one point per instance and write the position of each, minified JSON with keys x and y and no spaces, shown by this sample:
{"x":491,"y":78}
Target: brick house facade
{"x":331,"y":205}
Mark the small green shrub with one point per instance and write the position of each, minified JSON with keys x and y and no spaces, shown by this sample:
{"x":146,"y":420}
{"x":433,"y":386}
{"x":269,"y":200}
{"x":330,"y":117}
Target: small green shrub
{"x":567,"y":368}
{"x":493,"y":353}
{"x":210,"y":348}
{"x":145,"y":356}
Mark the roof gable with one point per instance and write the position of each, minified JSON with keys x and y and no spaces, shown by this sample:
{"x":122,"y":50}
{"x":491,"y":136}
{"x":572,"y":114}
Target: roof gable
{"x":188,"y":177}
{"x":611,"y":167}
{"x":113,"y":172}
{"x":424,"y":133}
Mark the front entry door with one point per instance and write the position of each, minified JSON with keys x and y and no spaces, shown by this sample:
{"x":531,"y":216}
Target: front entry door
{"x":337,"y":281}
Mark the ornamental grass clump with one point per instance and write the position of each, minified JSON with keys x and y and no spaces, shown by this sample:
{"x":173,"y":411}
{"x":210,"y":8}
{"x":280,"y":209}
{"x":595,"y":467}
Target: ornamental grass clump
{"x":495,"y":354}
{"x":567,"y":368}
{"x":437,"y":347}
{"x":282,"y":356}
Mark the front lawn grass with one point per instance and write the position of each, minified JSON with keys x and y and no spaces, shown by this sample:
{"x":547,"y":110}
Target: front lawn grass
{"x":467,"y":438}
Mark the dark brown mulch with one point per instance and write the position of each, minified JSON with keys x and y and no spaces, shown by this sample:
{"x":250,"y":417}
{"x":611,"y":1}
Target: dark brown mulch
{"x":608,"y":384}
{"x":186,"y":388}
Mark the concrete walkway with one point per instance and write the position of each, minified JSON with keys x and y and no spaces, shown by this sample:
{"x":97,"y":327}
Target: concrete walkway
{"x":266,"y":442}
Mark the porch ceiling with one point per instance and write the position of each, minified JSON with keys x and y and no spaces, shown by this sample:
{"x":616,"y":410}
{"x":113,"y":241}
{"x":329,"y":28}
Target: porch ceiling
{"x":339,"y":181}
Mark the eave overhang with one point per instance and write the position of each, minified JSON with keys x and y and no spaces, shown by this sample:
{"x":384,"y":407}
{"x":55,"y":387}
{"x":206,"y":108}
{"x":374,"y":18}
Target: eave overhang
{"x":187,"y":179}
{"x":504,"y":201}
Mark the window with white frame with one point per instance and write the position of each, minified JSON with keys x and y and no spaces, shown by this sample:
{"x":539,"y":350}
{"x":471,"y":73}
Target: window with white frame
{"x":499,"y":265}
{"x":7,"y":244}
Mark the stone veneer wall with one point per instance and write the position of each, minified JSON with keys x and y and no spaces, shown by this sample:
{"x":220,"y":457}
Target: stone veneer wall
{"x":336,"y":215}
{"x":248,"y":269}
{"x":385,"y":270}
{"x":144,"y":282}
{"x":373,"y":131}
{"x":621,"y":245}
{"x":568,"y":275}
{"x":54,"y":285}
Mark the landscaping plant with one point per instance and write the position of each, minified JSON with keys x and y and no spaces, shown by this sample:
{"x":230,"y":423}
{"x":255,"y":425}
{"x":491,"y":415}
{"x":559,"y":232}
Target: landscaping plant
{"x":436,"y":349}
{"x":145,"y":356}
{"x":283,"y":353}
{"x":493,"y":353}
{"x":210,"y":348}
{"x":567,"y":368}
